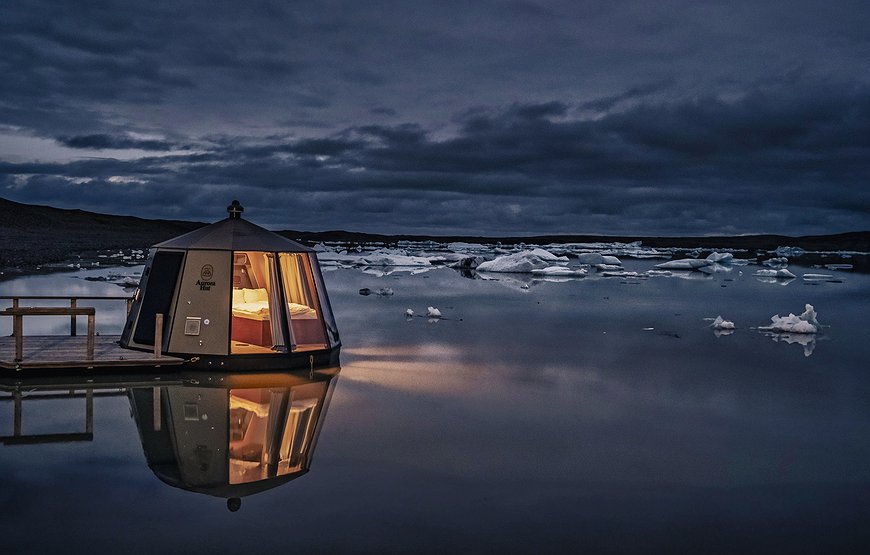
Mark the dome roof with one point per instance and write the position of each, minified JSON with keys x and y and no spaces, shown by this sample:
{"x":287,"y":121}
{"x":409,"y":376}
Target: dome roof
{"x":233,"y":234}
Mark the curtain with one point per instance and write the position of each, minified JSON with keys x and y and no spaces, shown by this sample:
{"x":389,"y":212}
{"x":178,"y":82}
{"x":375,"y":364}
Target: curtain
{"x":275,"y":306}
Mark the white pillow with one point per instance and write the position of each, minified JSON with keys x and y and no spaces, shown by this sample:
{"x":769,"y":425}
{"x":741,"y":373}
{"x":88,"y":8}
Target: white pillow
{"x":256,"y":295}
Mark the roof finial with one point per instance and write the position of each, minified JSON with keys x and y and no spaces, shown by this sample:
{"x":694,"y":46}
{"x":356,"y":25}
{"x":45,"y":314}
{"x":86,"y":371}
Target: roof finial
{"x":235,"y":209}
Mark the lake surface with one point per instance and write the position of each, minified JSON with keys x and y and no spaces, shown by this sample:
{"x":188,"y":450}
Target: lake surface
{"x":598,"y":415}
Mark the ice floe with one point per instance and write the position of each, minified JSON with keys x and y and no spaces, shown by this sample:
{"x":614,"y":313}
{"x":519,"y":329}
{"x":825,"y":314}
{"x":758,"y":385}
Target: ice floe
{"x":722,"y":324}
{"x":807,"y":322}
{"x":776,"y":262}
{"x":595,"y":258}
{"x":559,"y":271}
{"x":388,"y":257}
{"x":782,"y":273}
{"x":432,"y":312}
{"x":715,"y":262}
{"x":521,"y":262}
{"x":683,"y":264}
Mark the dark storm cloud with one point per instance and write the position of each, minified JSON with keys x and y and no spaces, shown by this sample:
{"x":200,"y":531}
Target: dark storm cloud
{"x":490,"y":117}
{"x":707,"y":162}
{"x":102,"y":141}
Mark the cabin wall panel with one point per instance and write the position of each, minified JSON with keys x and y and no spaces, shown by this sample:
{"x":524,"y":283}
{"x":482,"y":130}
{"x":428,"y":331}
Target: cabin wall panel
{"x":205,"y":292}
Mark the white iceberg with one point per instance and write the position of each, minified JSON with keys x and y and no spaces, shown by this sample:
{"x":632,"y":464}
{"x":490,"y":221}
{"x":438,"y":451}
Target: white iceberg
{"x":598,"y":258}
{"x":782,"y":273}
{"x":807,"y":322}
{"x":722,"y":324}
{"x":547,"y":255}
{"x":683,"y":264}
{"x":820,"y":277}
{"x":559,"y":271}
{"x":409,"y":313}
{"x":776,"y":262}
{"x":789,"y":251}
{"x":433,"y":312}
{"x":521,"y":262}
{"x":624,"y":274}
{"x":724,"y":258}
{"x":388,"y":257}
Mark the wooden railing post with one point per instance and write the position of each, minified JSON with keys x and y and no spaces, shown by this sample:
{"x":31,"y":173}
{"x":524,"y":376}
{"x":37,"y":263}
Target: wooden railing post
{"x":91,"y":325}
{"x":15,"y":302}
{"x":158,"y":334}
{"x":72,"y":319}
{"x":18,"y":332}
{"x":129,"y":304}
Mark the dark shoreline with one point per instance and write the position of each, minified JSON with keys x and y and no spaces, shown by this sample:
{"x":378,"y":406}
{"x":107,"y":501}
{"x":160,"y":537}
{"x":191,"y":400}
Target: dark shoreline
{"x":40,"y":239}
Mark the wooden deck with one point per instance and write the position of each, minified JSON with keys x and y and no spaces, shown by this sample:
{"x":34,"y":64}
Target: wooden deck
{"x":60,"y":351}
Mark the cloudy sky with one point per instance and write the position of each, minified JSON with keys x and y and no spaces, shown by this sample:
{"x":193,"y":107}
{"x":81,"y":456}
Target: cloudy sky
{"x":484,"y":117}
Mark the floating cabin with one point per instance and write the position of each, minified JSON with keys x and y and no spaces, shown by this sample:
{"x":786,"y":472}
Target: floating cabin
{"x":234,"y":296}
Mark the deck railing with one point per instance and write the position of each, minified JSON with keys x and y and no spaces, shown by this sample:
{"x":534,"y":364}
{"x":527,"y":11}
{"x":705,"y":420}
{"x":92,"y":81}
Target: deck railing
{"x":18,"y":313}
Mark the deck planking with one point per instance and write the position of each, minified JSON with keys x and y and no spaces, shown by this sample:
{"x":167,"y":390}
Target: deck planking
{"x":60,"y":351}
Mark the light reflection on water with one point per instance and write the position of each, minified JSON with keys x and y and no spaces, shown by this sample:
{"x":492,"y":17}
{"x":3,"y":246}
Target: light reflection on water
{"x":539,"y":419}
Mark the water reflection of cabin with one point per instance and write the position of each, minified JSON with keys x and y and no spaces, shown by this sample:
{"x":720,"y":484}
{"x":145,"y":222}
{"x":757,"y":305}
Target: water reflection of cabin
{"x":237,"y":439}
{"x":234,"y":295}
{"x":221,"y":434}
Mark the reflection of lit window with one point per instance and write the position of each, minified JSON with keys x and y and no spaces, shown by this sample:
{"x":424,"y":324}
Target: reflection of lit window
{"x":271,"y":430}
{"x":249,"y":411}
{"x":296,"y":433}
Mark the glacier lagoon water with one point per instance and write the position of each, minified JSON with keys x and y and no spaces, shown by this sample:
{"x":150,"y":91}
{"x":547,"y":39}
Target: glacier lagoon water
{"x":596,"y":414}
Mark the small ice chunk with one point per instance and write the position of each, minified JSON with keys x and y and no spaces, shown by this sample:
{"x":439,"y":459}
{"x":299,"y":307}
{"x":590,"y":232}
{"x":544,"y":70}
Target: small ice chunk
{"x":598,"y":258}
{"x":807,"y":322}
{"x":559,"y":271}
{"x":789,"y":251}
{"x":128,"y":281}
{"x":782,"y":273}
{"x":818,"y":277}
{"x":723,"y":258}
{"x":776,"y":262}
{"x":683,"y":264}
{"x":433,"y":312}
{"x":409,"y":313}
{"x":722,"y":324}
{"x":608,"y":267}
{"x":522,"y":262}
{"x":385,"y":291}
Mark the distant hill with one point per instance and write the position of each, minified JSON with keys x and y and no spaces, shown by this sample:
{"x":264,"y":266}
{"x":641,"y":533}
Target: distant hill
{"x":32,"y":235}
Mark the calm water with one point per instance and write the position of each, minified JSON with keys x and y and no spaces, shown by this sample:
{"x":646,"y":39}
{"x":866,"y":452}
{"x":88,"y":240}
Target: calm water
{"x":596,"y":415}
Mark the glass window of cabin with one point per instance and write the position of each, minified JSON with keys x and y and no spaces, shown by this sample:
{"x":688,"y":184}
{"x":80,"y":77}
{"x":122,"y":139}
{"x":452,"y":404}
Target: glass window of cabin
{"x":257,"y":324}
{"x":303,"y":307}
